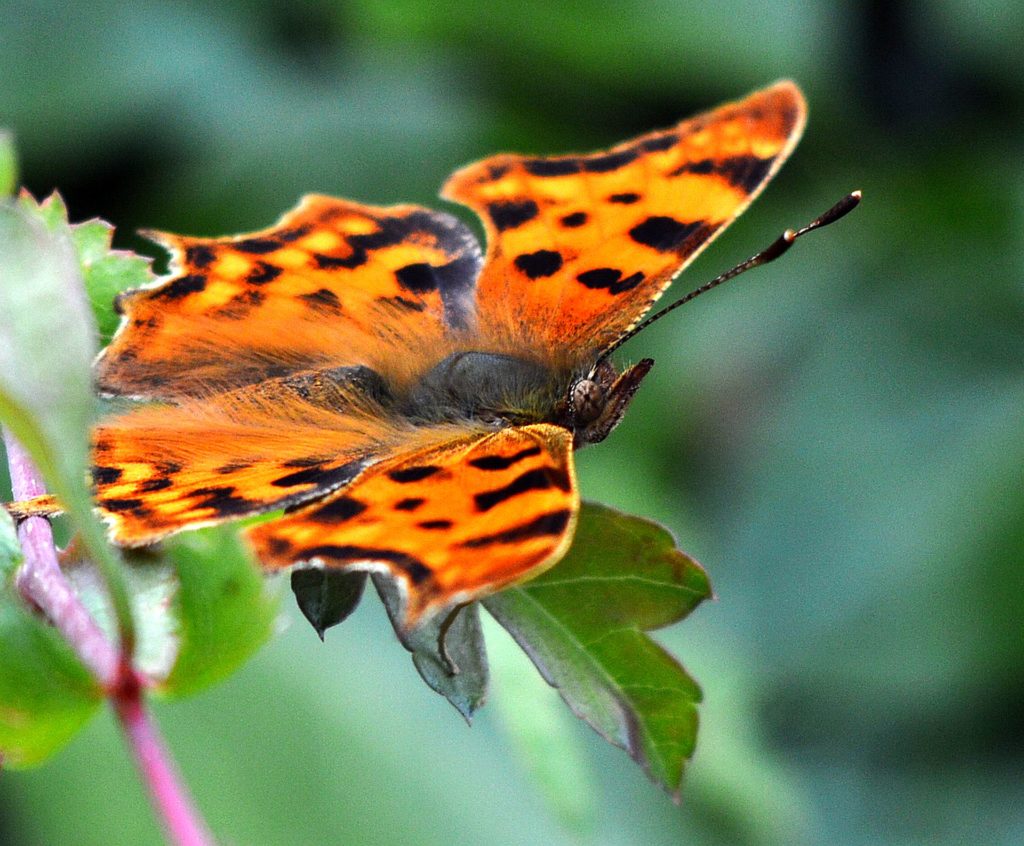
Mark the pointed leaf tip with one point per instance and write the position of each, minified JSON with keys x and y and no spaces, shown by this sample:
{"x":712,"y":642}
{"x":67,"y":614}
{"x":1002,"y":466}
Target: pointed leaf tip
{"x":327,"y":596}
{"x":447,"y":649}
{"x":584,"y":624}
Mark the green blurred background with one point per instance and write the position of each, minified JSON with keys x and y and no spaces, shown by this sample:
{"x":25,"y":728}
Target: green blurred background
{"x":838,"y":438}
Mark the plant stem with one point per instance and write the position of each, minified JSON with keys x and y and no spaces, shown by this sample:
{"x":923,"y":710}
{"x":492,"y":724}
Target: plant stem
{"x":42,"y":582}
{"x":182,"y":823}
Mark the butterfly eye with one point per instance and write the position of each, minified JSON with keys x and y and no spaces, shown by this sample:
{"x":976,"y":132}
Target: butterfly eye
{"x":588,"y":401}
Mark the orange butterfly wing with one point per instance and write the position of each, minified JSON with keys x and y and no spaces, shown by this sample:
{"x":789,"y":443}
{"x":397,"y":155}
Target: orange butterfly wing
{"x":333,"y":283}
{"x":579,"y":247}
{"x":162,"y":468}
{"x":451,"y":521}
{"x":267,"y":347}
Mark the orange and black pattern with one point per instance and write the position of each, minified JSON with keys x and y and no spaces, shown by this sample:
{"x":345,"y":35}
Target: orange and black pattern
{"x":315,"y":290}
{"x":579,"y":247}
{"x":290,"y":366}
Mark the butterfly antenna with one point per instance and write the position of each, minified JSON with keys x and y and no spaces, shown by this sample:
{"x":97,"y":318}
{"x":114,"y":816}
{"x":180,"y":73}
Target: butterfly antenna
{"x":770,"y":253}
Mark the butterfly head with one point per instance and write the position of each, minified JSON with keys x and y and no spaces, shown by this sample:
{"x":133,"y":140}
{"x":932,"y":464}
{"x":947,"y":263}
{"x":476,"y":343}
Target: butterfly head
{"x":596,"y":402}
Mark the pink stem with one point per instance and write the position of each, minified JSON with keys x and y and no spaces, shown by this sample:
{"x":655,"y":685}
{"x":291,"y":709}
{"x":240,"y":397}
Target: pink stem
{"x":41,"y":581}
{"x":171,"y":802}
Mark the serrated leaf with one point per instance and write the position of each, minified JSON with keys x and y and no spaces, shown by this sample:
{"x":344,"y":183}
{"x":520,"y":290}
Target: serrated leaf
{"x":107,"y":272}
{"x":224,"y":607}
{"x":47,"y":343}
{"x":326,"y":596}
{"x":584,"y":624}
{"x":448,"y":650}
{"x":8,"y":164}
{"x":46,"y":694}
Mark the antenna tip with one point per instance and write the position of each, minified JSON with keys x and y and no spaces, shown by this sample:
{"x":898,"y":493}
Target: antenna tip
{"x":858,"y":195}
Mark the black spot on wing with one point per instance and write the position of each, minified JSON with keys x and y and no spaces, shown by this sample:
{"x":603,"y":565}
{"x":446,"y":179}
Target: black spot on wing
{"x":417,"y":278}
{"x":403,"y":303}
{"x":180,"y":287}
{"x":702,"y":167}
{"x":106,"y":475}
{"x":409,"y":503}
{"x":322,"y":477}
{"x":119,"y":505}
{"x":151,"y":485}
{"x":349,"y":262}
{"x":413,"y":474}
{"x":289,"y":235}
{"x":240,"y":305}
{"x":625,"y":198}
{"x":416,"y":570}
{"x":435,"y":524}
{"x":609,"y":278}
{"x":510,"y":214}
{"x":743,"y":172}
{"x":658,"y":144}
{"x":422,"y":278}
{"x":574,"y":220}
{"x":200,"y":256}
{"x":324,"y":299}
{"x":503,"y":462}
{"x":263,"y":273}
{"x":338,"y":510}
{"x":231,"y":467}
{"x":539,"y":264}
{"x":547,"y":525}
{"x":258,"y":246}
{"x":455,"y":280}
{"x":609,"y":161}
{"x":662,"y":233}
{"x":552,"y":167}
{"x":224,"y":500}
{"x":278,"y":546}
{"x":302,"y":462}
{"x":538,"y":479}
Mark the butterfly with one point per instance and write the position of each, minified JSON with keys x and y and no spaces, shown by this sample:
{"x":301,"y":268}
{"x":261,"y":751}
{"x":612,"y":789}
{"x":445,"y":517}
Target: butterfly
{"x":410,"y":404}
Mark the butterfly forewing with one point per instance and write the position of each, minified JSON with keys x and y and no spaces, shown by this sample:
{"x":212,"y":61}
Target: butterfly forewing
{"x":332,"y":283}
{"x":579,"y":247}
{"x":452,"y":521}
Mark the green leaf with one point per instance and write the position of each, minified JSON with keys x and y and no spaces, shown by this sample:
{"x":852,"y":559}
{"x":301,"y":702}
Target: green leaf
{"x":8,"y":164}
{"x":327,"y":595}
{"x":46,"y":694}
{"x":47,"y":344}
{"x":224,"y":608}
{"x":152,"y":585}
{"x":583,"y":624}
{"x":447,"y":650}
{"x":107,"y":272}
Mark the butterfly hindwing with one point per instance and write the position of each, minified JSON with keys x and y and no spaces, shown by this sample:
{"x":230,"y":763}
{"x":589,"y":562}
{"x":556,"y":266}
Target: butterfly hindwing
{"x":579,"y":247}
{"x":161,"y":468}
{"x":333,"y":283}
{"x":452,"y":521}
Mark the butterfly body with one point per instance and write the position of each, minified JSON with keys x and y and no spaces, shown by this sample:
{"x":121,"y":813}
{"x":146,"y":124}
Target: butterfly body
{"x":411,"y":403}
